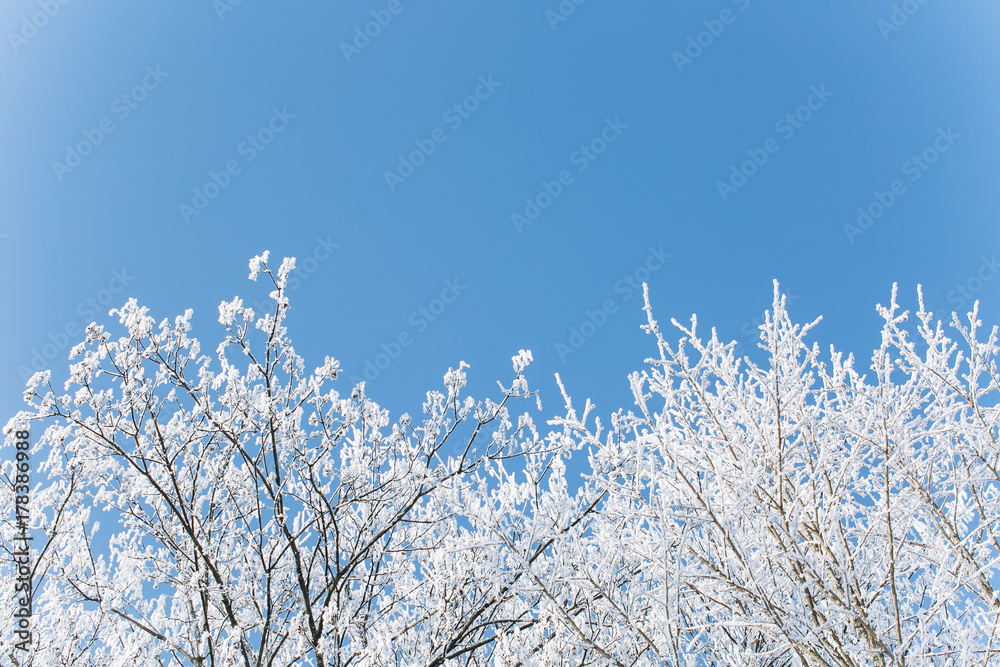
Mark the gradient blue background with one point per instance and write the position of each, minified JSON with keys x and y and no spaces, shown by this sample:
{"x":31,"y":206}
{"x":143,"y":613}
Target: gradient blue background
{"x":323,"y":176}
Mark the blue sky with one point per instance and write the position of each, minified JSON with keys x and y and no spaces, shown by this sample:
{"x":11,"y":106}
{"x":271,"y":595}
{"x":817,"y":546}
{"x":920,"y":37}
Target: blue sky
{"x":214,"y":131}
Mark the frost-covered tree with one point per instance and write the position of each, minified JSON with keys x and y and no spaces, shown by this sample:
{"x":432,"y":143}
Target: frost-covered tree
{"x":234,"y":509}
{"x":239,"y":511}
{"x":796,"y":513}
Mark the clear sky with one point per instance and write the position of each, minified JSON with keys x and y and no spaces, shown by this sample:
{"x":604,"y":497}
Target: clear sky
{"x":508,"y":167}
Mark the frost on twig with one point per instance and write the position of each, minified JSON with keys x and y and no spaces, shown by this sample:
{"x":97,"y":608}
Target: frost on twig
{"x":234,"y":509}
